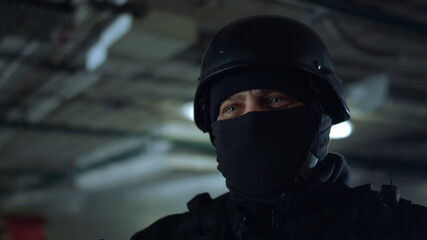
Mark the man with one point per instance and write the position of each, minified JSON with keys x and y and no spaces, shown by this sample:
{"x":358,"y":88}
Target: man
{"x":268,"y":96}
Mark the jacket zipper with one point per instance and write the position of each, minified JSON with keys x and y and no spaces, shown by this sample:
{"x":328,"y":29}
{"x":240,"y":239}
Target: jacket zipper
{"x":275,"y":218}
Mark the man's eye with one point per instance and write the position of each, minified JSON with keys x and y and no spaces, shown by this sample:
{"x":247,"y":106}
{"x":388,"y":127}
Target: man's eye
{"x":230,"y":109}
{"x":275,"y":100}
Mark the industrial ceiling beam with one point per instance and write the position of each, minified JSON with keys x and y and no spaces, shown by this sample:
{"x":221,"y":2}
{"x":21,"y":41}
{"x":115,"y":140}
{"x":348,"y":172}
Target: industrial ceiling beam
{"x":43,"y":127}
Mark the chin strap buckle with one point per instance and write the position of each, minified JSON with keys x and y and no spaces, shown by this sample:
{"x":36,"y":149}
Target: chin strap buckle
{"x":304,"y":174}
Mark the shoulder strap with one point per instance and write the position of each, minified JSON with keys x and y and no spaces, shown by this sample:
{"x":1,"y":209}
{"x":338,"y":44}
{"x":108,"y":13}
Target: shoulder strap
{"x":373,"y":215}
{"x":199,"y":201}
{"x":357,"y":198}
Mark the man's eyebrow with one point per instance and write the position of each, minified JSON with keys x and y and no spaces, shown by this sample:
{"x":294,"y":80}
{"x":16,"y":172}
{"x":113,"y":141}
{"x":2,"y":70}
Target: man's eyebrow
{"x":235,"y":97}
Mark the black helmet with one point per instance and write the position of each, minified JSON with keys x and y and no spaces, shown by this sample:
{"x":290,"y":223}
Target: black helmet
{"x":272,"y":41}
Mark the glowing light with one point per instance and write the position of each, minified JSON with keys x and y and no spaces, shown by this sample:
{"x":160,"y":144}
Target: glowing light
{"x":187,"y":111}
{"x":341,"y":130}
{"x":98,"y":53}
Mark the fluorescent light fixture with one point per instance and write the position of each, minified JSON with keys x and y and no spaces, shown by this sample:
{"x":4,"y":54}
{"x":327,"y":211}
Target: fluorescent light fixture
{"x":165,"y":189}
{"x":113,"y":175}
{"x":96,"y":56}
{"x":191,"y":162}
{"x":370,"y":93}
{"x":119,"y":27}
{"x":178,"y":130}
{"x":187,"y":111}
{"x":142,"y":166}
{"x":98,"y":53}
{"x":341,"y":130}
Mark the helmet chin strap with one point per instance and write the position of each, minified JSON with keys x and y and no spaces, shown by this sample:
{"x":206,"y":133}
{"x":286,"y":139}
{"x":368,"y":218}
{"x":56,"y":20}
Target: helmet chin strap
{"x":303,"y":176}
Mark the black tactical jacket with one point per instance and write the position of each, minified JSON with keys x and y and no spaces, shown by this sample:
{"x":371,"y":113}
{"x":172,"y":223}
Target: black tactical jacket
{"x":324,"y":211}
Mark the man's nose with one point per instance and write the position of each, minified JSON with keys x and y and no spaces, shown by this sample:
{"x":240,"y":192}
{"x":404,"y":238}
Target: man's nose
{"x":252,"y":106}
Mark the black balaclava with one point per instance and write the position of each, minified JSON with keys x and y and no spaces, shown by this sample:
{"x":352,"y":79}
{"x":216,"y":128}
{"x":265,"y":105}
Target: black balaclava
{"x":261,"y":154}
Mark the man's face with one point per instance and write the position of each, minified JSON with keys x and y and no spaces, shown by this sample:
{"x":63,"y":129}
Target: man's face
{"x":243,"y":102}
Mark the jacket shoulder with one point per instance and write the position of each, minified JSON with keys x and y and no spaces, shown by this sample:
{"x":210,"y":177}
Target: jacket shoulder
{"x":384,"y":214}
{"x":162,"y":229}
{"x":417,"y":221}
{"x":168,"y":227}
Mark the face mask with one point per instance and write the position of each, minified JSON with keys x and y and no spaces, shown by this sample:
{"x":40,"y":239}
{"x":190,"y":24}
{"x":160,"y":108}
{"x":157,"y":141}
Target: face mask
{"x":260,"y":153}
